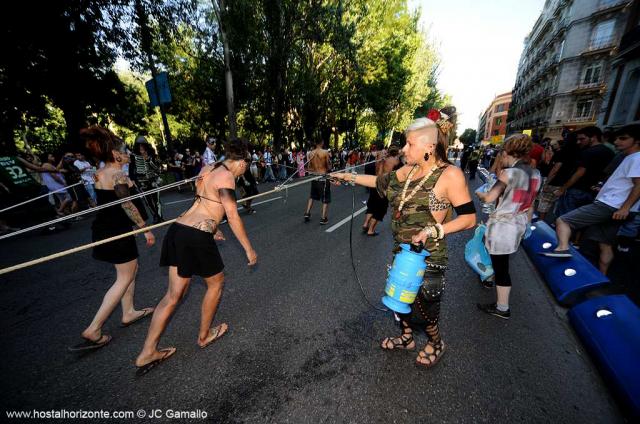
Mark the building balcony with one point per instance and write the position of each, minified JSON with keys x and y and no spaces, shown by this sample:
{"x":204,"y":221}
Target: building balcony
{"x":590,"y":87}
{"x":582,"y":119}
{"x":605,"y":5}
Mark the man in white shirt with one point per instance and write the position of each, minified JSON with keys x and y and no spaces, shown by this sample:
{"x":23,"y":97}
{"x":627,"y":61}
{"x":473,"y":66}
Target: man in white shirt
{"x":254,"y":165}
{"x":209,"y":157}
{"x":617,"y":202}
{"x":268,"y":161}
{"x":87,"y":174}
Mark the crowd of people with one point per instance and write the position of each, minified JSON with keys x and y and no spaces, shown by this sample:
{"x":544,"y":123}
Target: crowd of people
{"x":589,"y":183}
{"x":120,"y":172}
{"x":590,"y":187}
{"x":69,"y":178}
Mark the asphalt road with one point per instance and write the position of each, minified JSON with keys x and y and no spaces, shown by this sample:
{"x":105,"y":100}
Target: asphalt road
{"x":303,"y":345}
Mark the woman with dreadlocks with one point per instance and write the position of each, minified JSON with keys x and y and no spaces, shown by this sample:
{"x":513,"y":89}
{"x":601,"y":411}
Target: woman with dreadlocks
{"x":421,"y":195}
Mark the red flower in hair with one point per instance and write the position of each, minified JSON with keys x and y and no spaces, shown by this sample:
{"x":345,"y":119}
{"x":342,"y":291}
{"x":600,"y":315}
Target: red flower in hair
{"x":434,"y":115}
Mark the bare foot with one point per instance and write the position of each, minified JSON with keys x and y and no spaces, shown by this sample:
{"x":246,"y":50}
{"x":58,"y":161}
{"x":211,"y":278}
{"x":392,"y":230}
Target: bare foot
{"x":144,"y":358}
{"x":214,"y":334}
{"x":92,"y":335}
{"x":130,"y":318}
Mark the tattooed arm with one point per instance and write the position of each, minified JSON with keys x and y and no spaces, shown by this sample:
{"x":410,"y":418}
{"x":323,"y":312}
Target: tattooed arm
{"x":226,"y":191}
{"x":121,"y":188}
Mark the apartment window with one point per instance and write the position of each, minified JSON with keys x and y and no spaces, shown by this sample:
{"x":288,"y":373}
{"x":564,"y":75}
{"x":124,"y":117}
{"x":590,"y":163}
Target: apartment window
{"x":583,"y":108}
{"x":602,"y":35}
{"x":591,"y":73}
{"x":498,"y":121}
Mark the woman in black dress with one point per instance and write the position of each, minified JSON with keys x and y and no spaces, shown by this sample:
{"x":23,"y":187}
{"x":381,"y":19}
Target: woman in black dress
{"x":113,"y":184}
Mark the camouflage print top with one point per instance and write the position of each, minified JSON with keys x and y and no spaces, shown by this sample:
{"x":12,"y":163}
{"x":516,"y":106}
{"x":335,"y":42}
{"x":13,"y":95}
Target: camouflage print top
{"x":416,"y":213}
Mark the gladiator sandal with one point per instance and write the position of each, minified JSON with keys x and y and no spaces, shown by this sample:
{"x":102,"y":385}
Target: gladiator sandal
{"x":429,"y":359}
{"x":404,"y":342}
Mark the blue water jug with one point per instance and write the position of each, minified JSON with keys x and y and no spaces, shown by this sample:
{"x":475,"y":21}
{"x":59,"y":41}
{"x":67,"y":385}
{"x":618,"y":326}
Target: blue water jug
{"x":476,"y":255}
{"x":405,"y":278}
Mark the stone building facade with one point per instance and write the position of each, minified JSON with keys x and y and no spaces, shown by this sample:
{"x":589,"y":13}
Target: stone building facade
{"x":565,"y":65}
{"x":622,"y":101}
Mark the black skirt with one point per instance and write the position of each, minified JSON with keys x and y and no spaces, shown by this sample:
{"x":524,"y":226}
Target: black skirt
{"x":117,"y":251}
{"x":192,"y":251}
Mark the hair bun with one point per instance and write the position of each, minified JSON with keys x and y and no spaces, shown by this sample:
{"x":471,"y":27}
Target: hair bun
{"x":100,"y":142}
{"x":236,"y":148}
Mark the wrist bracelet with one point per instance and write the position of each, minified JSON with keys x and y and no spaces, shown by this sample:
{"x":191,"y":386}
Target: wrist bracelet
{"x":435,"y":232}
{"x":430,"y":230}
{"x":353,"y":179}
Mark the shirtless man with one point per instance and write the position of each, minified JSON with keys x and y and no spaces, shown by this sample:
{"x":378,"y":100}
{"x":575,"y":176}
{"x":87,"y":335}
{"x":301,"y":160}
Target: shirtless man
{"x":376,"y":205}
{"x":189,"y":249}
{"x":319,"y":163}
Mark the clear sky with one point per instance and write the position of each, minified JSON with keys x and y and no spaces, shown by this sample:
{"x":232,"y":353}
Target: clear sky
{"x":479,"y":42}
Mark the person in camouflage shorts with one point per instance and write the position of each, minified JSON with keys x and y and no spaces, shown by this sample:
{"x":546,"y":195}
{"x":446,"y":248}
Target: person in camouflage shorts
{"x":421,"y":195}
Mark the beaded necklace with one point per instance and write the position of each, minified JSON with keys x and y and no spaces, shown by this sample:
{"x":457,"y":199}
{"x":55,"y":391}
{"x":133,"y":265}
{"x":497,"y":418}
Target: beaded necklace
{"x":403,"y":198}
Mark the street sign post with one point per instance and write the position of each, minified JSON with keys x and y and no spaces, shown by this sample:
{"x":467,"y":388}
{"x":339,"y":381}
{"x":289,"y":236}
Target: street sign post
{"x":162,"y":82}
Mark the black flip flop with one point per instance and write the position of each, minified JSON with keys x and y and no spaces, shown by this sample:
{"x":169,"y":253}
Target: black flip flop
{"x":151,"y":365}
{"x":90,"y":344}
{"x":146,"y":313}
{"x":375,"y":233}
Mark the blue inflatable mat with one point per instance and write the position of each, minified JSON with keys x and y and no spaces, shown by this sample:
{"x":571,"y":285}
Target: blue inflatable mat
{"x":609,"y":327}
{"x":568,"y":278}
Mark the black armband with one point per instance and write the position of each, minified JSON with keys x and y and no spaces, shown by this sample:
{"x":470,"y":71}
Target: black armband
{"x":227,"y":193}
{"x":465,"y":209}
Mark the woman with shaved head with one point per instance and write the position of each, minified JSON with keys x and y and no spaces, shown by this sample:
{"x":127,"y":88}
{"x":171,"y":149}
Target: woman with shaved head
{"x":422,"y":194}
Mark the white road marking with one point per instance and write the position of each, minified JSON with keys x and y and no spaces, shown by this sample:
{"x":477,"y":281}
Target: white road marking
{"x":344,"y":221}
{"x":264,"y":201}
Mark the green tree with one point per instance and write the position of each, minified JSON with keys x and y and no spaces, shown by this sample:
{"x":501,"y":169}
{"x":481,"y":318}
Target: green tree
{"x":468,"y":137}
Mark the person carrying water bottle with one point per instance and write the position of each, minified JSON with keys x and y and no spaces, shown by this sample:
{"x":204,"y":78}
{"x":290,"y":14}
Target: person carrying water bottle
{"x":421,"y":195}
{"x":516,"y":189}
